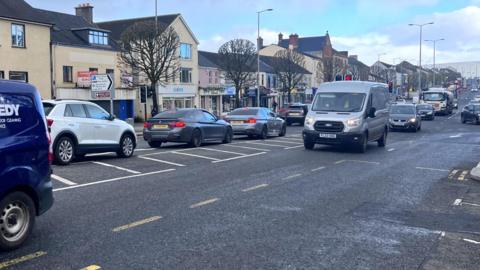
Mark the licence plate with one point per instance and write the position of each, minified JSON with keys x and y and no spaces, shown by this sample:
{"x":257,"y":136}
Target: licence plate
{"x":160,"y":126}
{"x":294,"y":114}
{"x":328,"y":136}
{"x":236,"y":122}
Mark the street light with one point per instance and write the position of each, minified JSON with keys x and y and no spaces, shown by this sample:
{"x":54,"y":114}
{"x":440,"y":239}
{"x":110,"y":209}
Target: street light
{"x":420,"y":58}
{"x":258,"y":53}
{"x":434,"y":53}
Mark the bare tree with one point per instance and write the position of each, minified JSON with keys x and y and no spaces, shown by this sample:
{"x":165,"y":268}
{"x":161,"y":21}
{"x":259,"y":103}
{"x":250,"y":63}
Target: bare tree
{"x":151,"y":52}
{"x":289,"y":67}
{"x":355,"y":71}
{"x":237,"y":58}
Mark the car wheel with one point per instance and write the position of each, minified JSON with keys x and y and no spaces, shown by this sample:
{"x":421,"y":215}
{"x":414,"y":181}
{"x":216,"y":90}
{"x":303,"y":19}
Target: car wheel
{"x":196,"y":140}
{"x":308,"y":144}
{"x":264,"y":134}
{"x":155,"y":144}
{"x":419,"y":127}
{"x":127,"y":146}
{"x":284,"y":131}
{"x":362,"y":146}
{"x":463,"y":120}
{"x":17,"y":218}
{"x":64,"y":151}
{"x":228,"y":136}
{"x":289,"y":123}
{"x":382,"y":142}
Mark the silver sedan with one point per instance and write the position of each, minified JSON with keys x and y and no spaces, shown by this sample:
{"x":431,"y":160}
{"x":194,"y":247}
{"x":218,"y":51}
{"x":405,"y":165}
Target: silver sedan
{"x":256,"y":122}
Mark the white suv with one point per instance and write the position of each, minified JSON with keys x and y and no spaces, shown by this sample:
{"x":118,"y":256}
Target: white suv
{"x":81,"y":127}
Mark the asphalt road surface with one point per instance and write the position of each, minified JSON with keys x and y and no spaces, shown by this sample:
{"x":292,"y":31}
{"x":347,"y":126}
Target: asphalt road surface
{"x":268,"y":205}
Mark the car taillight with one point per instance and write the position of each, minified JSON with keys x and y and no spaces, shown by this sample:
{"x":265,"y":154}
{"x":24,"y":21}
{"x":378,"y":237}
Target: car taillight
{"x":251,"y":121}
{"x":50,"y":148}
{"x":49,"y":122}
{"x":178,"y":124}
{"x":147,"y":125}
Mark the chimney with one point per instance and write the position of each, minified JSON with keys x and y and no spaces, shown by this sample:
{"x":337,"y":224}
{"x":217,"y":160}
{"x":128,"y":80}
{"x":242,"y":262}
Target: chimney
{"x":354,"y":56}
{"x":259,"y":43}
{"x":293,"y":42}
{"x":85,"y":11}
{"x":280,"y":38}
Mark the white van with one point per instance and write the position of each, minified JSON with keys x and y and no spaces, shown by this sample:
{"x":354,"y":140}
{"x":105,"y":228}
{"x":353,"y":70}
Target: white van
{"x":348,"y":113}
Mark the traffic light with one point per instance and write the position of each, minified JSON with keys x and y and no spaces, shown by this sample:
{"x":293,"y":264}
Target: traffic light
{"x":144,"y":93}
{"x":390,"y":87}
{"x":348,"y":77}
{"x":339,"y":77}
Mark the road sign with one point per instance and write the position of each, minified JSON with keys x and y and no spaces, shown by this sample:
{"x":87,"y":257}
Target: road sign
{"x":102,"y":82}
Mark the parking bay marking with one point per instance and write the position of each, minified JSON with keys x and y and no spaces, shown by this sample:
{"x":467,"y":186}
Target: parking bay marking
{"x":223,"y":151}
{"x":431,"y":169}
{"x":357,"y":161}
{"x":136,"y":223}
{"x":193,"y":155}
{"x":293,"y":147}
{"x":246,"y":147}
{"x":113,"y":180}
{"x":292,"y":176}
{"x":63,"y":180}
{"x":266,"y":144}
{"x":25,"y":258}
{"x":92,"y":267}
{"x":162,"y":161}
{"x":238,"y":157}
{"x":255,"y":187}
{"x":203,"y":203}
{"x":280,"y":141}
{"x":318,"y":169}
{"x":116,"y":167}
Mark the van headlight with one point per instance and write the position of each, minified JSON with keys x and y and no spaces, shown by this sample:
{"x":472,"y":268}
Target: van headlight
{"x":309,"y":121}
{"x":413,"y":120}
{"x":355,"y":122}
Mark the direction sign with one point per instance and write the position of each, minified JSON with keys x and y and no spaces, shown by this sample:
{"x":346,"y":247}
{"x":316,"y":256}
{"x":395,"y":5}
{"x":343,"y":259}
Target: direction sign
{"x":102,"y":83}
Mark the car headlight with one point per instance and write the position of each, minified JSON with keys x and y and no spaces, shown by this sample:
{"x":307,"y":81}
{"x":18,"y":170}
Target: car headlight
{"x":353,"y":122}
{"x":413,"y":120}
{"x":309,"y":121}
{"x":429,"y":113}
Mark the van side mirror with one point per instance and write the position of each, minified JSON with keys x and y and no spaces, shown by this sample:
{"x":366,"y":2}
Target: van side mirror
{"x":371,"y":112}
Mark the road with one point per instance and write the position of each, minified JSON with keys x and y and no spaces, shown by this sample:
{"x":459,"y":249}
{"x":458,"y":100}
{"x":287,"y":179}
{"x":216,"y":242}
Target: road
{"x":268,"y":205}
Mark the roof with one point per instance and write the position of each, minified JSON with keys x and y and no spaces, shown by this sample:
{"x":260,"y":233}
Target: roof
{"x":208,"y":59}
{"x":307,"y":44}
{"x":355,"y":62}
{"x":20,"y":10}
{"x":348,"y":86}
{"x":119,"y":26}
{"x":267,"y":63}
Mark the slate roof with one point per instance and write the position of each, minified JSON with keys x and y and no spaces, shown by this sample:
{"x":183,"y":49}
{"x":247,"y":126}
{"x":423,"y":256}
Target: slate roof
{"x":20,"y":10}
{"x":268,"y":61}
{"x":119,"y":26}
{"x":208,"y":59}
{"x":306,"y":44}
{"x":354,"y":62}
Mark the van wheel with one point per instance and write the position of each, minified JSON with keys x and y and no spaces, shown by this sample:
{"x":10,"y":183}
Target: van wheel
{"x":463,"y":120}
{"x":126,"y":146}
{"x":64,"y":151}
{"x":383,"y":140}
{"x":308,"y":144}
{"x":17,"y":218}
{"x":362,"y":146}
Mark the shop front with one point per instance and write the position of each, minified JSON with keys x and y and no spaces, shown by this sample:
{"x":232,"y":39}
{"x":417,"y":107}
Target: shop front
{"x":177,"y":96}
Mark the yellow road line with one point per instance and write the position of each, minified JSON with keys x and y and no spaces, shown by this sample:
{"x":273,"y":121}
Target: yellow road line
{"x":136,"y":223}
{"x":452,"y":174}
{"x":92,"y":267}
{"x":204,"y":203}
{"x":25,"y":258}
{"x":462,"y":176}
{"x":254,"y":188}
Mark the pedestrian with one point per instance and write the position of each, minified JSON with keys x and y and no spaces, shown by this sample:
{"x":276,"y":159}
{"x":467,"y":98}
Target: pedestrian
{"x":274,"y":105}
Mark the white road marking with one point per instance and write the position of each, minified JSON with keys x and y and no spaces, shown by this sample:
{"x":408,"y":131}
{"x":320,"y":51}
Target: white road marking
{"x":279,"y":141}
{"x":292,"y":176}
{"x":204,"y":203}
{"x":339,"y":162}
{"x":136,"y":223}
{"x":193,"y":155}
{"x":293,"y":147}
{"x":471,"y":241}
{"x":452,"y":174}
{"x":471,"y":204}
{"x":453,"y":115}
{"x":290,"y":139}
{"x":63,"y":180}
{"x":318,"y":169}
{"x":116,"y":167}
{"x":456,"y":136}
{"x":162,"y":161}
{"x":100,"y":154}
{"x":266,"y":144}
{"x":457,"y":202}
{"x":245,"y":147}
{"x":363,"y":161}
{"x":391,"y":150}
{"x":223,"y":151}
{"x":431,"y":169}
{"x":254,"y":187}
{"x":238,"y":157}
{"x":113,"y":180}
{"x":145,"y":149}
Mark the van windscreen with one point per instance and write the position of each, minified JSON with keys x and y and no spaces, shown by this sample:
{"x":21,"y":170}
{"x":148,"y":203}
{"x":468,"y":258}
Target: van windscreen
{"x":338,"y":102}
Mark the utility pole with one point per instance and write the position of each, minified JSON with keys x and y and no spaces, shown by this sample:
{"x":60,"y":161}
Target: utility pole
{"x":258,"y":53}
{"x":420,"y":55}
{"x":434,"y":54}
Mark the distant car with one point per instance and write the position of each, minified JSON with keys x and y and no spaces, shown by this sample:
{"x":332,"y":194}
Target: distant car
{"x":25,"y":156}
{"x":474,"y":90}
{"x":426,"y":111}
{"x":476,"y":99}
{"x":259,"y":122}
{"x":81,"y":127}
{"x":192,"y":126}
{"x":471,"y":113}
{"x":405,"y":117}
{"x":294,"y":113}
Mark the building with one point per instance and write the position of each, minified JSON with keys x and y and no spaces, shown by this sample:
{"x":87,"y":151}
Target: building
{"x":182,"y":92}
{"x":357,"y":69}
{"x":25,"y":45}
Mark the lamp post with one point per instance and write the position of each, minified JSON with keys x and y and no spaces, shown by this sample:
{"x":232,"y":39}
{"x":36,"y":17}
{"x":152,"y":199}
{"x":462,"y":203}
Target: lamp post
{"x":420,"y":57}
{"x":434,"y":54}
{"x":258,"y":53}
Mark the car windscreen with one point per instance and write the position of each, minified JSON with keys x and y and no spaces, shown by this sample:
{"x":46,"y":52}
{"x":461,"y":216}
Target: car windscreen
{"x":476,"y":107}
{"x":48,"y":107}
{"x":424,"y":107}
{"x":338,"y":102}
{"x":173,"y":114}
{"x":433,"y":96}
{"x":244,"y":111}
{"x":402,"y":110}
{"x":296,"y":107}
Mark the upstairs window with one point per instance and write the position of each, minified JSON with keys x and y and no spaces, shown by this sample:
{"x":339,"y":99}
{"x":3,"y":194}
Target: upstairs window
{"x":98,"y":38}
{"x":186,"y":75}
{"x":185,"y":51}
{"x":67,"y":74}
{"x":18,"y":35}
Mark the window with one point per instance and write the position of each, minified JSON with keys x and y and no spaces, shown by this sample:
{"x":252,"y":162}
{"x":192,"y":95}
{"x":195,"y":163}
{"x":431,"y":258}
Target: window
{"x":18,"y":76}
{"x":98,"y":38}
{"x":185,"y":51}
{"x":210,"y":79}
{"x":67,"y":74}
{"x":93,"y":70}
{"x":18,"y":35}
{"x":186,"y":75}
{"x":110,"y":71}
{"x":379,"y":99}
{"x":2,"y":74}
{"x":338,"y":102}
{"x":76,"y":110}
{"x":97,"y":113}
{"x":263,"y":79}
{"x":208,"y":117}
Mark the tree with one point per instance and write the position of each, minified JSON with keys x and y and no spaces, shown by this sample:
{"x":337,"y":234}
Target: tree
{"x":237,"y":58}
{"x":151,"y":52}
{"x":289,"y":67}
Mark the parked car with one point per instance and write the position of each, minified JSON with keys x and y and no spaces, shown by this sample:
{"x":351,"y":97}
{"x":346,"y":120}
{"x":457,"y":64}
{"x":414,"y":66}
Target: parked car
{"x":294,"y":113}
{"x":426,"y":111}
{"x":192,"y":126}
{"x":405,"y":117}
{"x":476,"y":99}
{"x":348,"y":112}
{"x":25,"y":155}
{"x":259,"y":122}
{"x":471,"y":113}
{"x":81,"y":127}
{"x":474,"y":90}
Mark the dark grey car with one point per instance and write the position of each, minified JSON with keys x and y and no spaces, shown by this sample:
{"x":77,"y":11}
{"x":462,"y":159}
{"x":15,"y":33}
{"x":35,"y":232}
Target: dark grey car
{"x":259,"y":122}
{"x":405,"y":117}
{"x":192,"y":126}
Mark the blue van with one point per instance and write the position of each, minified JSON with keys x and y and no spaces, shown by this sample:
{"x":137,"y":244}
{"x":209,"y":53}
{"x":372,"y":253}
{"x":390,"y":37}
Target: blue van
{"x":25,"y":157}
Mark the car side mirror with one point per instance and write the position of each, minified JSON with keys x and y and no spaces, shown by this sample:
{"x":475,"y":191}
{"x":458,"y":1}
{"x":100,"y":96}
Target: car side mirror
{"x":371,"y":112}
{"x":111,"y":117}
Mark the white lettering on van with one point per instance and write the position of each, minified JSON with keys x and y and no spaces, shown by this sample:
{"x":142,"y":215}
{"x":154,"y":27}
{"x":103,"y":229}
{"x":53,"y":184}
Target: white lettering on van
{"x":9,"y":109}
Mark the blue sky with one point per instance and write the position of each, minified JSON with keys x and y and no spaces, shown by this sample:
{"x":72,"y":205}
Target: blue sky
{"x":364,"y":27}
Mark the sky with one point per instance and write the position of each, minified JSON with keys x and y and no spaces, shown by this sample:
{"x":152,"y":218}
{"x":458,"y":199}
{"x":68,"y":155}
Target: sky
{"x":371,"y":29}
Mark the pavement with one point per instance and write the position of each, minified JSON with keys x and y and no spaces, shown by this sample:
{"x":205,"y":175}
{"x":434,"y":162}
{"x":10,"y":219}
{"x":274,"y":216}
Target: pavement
{"x":268,"y":204}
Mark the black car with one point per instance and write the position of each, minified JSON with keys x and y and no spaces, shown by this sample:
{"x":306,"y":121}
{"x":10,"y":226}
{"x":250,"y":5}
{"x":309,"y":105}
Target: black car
{"x":426,"y":111}
{"x":471,"y":113}
{"x":294,"y":113}
{"x":192,"y":126}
